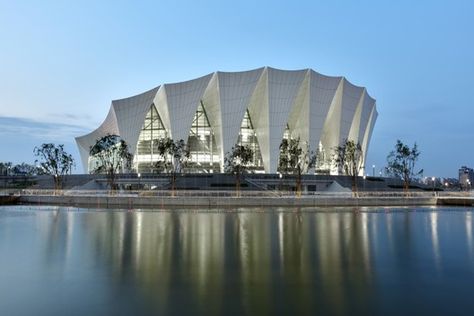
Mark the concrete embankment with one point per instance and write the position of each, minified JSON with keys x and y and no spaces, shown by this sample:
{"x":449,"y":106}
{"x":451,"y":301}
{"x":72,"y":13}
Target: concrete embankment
{"x":456,"y":201}
{"x":128,"y":202}
{"x":8,"y":199}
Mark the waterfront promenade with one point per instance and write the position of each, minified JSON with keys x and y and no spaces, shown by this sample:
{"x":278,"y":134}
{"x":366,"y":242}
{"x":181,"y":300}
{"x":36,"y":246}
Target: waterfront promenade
{"x":166,"y":198}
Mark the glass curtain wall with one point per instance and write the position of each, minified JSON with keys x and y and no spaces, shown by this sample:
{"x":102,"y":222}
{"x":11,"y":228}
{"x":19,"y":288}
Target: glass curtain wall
{"x":202,"y":144}
{"x":247,"y":137}
{"x":323,"y":160}
{"x":146,"y":154}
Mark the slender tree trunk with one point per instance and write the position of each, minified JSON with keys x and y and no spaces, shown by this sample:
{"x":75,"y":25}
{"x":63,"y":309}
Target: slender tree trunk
{"x":237,"y":183}
{"x":173,"y":183}
{"x":406,"y":185}
{"x":298,"y":183}
{"x":354,"y":185}
{"x":111,"y":180}
{"x":57,"y":182}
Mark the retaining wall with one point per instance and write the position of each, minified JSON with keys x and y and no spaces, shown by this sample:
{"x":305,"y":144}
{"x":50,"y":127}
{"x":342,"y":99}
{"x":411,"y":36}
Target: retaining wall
{"x":129,"y":202}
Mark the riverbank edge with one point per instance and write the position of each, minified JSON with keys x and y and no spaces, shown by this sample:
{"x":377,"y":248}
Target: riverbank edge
{"x":130,"y":202}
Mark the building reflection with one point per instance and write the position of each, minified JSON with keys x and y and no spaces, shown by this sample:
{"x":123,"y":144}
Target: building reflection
{"x":180,"y":261}
{"x":469,"y":241}
{"x":433,"y":218}
{"x":255,"y":256}
{"x":202,"y":251}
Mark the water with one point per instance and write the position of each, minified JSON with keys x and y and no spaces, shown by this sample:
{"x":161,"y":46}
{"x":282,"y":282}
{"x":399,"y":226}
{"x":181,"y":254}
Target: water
{"x":341,"y":261}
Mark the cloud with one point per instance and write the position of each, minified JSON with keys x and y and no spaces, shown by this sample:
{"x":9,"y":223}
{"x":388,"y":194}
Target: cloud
{"x":71,"y":117}
{"x":45,"y":131}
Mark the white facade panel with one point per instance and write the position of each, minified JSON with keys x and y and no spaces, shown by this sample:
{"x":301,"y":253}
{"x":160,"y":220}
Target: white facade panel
{"x":258,"y":110}
{"x":367,"y":107}
{"x":183,"y":99}
{"x":322,"y":96}
{"x":282,"y":89}
{"x":368,"y":131}
{"x":351,"y":96}
{"x":161,"y":105}
{"x":298,"y":121}
{"x":130,"y":114}
{"x":355,"y":126}
{"x":212,"y":107}
{"x":235,"y":90}
{"x":316,"y":108}
{"x":84,"y":143}
{"x":332,"y":126}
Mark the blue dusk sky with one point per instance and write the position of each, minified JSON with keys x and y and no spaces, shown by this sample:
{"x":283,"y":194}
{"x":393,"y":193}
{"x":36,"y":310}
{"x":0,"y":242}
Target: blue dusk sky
{"x":62,"y":62}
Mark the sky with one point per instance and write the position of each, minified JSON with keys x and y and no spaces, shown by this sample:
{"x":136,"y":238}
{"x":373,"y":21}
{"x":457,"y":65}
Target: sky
{"x":62,"y":62}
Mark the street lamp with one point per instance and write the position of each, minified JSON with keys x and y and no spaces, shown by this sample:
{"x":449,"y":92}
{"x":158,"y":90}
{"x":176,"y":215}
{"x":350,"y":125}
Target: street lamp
{"x":139,"y":175}
{"x":373,"y":170}
{"x":433,"y":180}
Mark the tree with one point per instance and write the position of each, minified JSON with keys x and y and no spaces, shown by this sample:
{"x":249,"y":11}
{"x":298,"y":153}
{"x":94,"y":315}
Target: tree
{"x":175,"y":155}
{"x":237,"y":161}
{"x":296,"y":160}
{"x":401,"y":163}
{"x":349,"y":160}
{"x":5,"y":168}
{"x":55,"y":161}
{"x":111,"y":156}
{"x":25,"y":169}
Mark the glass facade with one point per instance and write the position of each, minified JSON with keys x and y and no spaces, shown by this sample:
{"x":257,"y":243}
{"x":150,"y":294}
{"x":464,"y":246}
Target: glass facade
{"x":202,"y":144}
{"x":146,"y":153}
{"x":204,"y":156}
{"x":247,"y":137}
{"x":323,"y":160}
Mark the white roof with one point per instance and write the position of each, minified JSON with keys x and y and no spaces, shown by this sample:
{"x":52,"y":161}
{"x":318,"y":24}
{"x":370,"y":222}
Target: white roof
{"x":317,"y":108}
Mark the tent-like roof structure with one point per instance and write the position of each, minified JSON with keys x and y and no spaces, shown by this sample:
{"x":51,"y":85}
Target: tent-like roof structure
{"x":315,"y":107}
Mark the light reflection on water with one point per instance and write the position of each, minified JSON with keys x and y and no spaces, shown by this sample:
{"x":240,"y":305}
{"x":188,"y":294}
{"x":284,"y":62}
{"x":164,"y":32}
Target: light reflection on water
{"x":375,"y":261}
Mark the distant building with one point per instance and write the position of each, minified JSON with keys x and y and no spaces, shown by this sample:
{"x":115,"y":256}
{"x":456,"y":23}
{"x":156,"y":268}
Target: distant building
{"x":466,"y":177}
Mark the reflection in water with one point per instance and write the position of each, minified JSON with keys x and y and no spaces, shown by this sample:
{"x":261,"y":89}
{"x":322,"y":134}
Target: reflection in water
{"x":254,"y":263}
{"x":470,"y":246}
{"x":434,"y":238}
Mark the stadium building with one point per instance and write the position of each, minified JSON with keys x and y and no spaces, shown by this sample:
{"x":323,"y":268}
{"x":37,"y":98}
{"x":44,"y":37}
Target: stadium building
{"x":258,"y":108}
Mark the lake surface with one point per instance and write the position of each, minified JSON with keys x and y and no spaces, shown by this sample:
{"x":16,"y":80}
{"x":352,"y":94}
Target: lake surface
{"x":275,"y":261}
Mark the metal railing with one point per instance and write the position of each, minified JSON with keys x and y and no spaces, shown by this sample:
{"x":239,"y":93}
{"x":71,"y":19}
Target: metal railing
{"x":242,"y":193}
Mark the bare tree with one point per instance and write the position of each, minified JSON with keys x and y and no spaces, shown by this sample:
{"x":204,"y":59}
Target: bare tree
{"x":401,"y":163}
{"x":296,"y":159}
{"x":54,"y":160}
{"x":237,"y":161}
{"x":349,"y":159}
{"x":111,"y":156}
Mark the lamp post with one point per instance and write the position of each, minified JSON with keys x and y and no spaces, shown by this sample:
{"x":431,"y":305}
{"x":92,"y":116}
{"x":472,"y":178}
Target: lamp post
{"x":139,"y":175}
{"x":373,"y":170}
{"x":433,"y":180}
